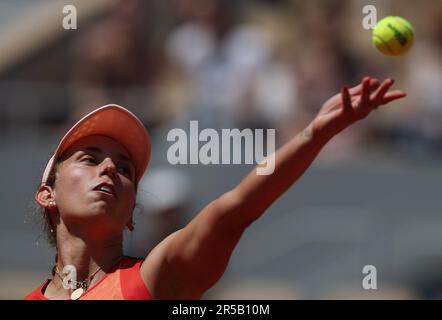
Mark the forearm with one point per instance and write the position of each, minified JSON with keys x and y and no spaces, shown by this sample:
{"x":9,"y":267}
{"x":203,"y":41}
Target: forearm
{"x":257,"y":192}
{"x":291,"y":161}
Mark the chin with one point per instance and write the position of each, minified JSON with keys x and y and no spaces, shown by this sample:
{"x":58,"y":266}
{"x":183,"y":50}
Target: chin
{"x":100,"y":208}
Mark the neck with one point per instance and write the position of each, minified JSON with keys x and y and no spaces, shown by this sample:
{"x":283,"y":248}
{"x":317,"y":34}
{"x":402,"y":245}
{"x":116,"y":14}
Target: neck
{"x":86,"y":255}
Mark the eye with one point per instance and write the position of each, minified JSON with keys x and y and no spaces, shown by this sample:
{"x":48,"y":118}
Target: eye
{"x":124,"y":169}
{"x":89,"y":159}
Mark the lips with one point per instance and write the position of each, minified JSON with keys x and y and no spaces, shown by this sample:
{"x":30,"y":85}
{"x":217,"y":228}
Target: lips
{"x":106,"y":188}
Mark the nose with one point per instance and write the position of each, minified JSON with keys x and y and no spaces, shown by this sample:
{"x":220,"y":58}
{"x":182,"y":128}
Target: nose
{"x":108,"y":168}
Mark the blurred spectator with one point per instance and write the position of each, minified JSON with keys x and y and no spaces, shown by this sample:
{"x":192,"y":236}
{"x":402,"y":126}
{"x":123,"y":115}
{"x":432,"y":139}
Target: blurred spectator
{"x":117,"y":58}
{"x":221,"y":56}
{"x":325,"y":63}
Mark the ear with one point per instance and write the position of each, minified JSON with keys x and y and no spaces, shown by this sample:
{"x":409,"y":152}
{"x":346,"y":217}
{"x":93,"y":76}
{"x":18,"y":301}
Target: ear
{"x":45,"y":197}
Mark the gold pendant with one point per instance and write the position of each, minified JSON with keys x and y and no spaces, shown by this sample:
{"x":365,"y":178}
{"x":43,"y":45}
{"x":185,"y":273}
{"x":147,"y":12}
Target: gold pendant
{"x":77,"y":293}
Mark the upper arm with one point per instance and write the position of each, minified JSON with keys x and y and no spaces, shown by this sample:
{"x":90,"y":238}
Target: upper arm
{"x":192,"y":259}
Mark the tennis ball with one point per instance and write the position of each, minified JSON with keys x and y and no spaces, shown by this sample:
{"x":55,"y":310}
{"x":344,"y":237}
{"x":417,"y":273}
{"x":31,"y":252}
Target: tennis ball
{"x":393,"y":36}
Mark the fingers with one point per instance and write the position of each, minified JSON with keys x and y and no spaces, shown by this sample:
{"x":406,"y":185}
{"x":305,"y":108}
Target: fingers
{"x":356,"y":89}
{"x":365,"y":93}
{"x":346,"y":100}
{"x":373,"y":84}
{"x":378,"y":96}
{"x":369,"y":95}
{"x":393,"y":95}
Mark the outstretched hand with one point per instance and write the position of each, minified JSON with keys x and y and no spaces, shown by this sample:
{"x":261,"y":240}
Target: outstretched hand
{"x":352,"y":105}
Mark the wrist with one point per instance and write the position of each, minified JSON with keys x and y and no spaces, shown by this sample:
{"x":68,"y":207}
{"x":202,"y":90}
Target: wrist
{"x":316,"y":133}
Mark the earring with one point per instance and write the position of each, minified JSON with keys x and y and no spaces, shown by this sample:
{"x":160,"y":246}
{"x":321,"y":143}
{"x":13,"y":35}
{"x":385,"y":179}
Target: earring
{"x":130,"y":226}
{"x":51,"y":203}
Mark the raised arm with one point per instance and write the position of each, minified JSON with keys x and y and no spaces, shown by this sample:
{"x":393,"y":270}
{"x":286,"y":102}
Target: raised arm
{"x":293,"y":159}
{"x":191,"y":260}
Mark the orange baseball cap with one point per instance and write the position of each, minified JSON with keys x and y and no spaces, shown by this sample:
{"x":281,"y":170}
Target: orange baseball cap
{"x":112,"y":121}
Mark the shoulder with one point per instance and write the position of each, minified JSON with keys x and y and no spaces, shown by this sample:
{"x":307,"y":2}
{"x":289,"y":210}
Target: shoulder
{"x":132,"y":284}
{"x":160,"y":277}
{"x":155,"y":270}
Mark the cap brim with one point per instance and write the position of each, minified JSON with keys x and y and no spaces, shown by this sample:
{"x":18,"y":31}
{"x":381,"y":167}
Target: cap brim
{"x":114,"y":122}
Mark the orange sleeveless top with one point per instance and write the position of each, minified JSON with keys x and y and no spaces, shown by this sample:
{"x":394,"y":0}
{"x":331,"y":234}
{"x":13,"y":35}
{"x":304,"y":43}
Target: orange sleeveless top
{"x":123,"y":282}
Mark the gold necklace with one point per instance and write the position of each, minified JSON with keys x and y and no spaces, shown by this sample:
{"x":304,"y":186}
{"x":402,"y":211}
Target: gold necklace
{"x":80,"y":286}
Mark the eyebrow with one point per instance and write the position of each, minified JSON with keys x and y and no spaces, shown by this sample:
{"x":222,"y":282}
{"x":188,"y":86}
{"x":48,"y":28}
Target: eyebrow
{"x":98,"y":150}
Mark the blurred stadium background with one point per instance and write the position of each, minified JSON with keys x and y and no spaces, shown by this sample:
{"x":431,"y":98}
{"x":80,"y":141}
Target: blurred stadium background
{"x":371,"y":198}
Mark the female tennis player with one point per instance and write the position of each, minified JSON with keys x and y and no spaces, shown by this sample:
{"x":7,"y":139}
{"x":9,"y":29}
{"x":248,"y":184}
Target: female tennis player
{"x":88,"y":193}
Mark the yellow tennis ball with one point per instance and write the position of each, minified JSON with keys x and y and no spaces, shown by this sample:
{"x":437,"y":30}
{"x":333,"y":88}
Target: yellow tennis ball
{"x":393,"y":36}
